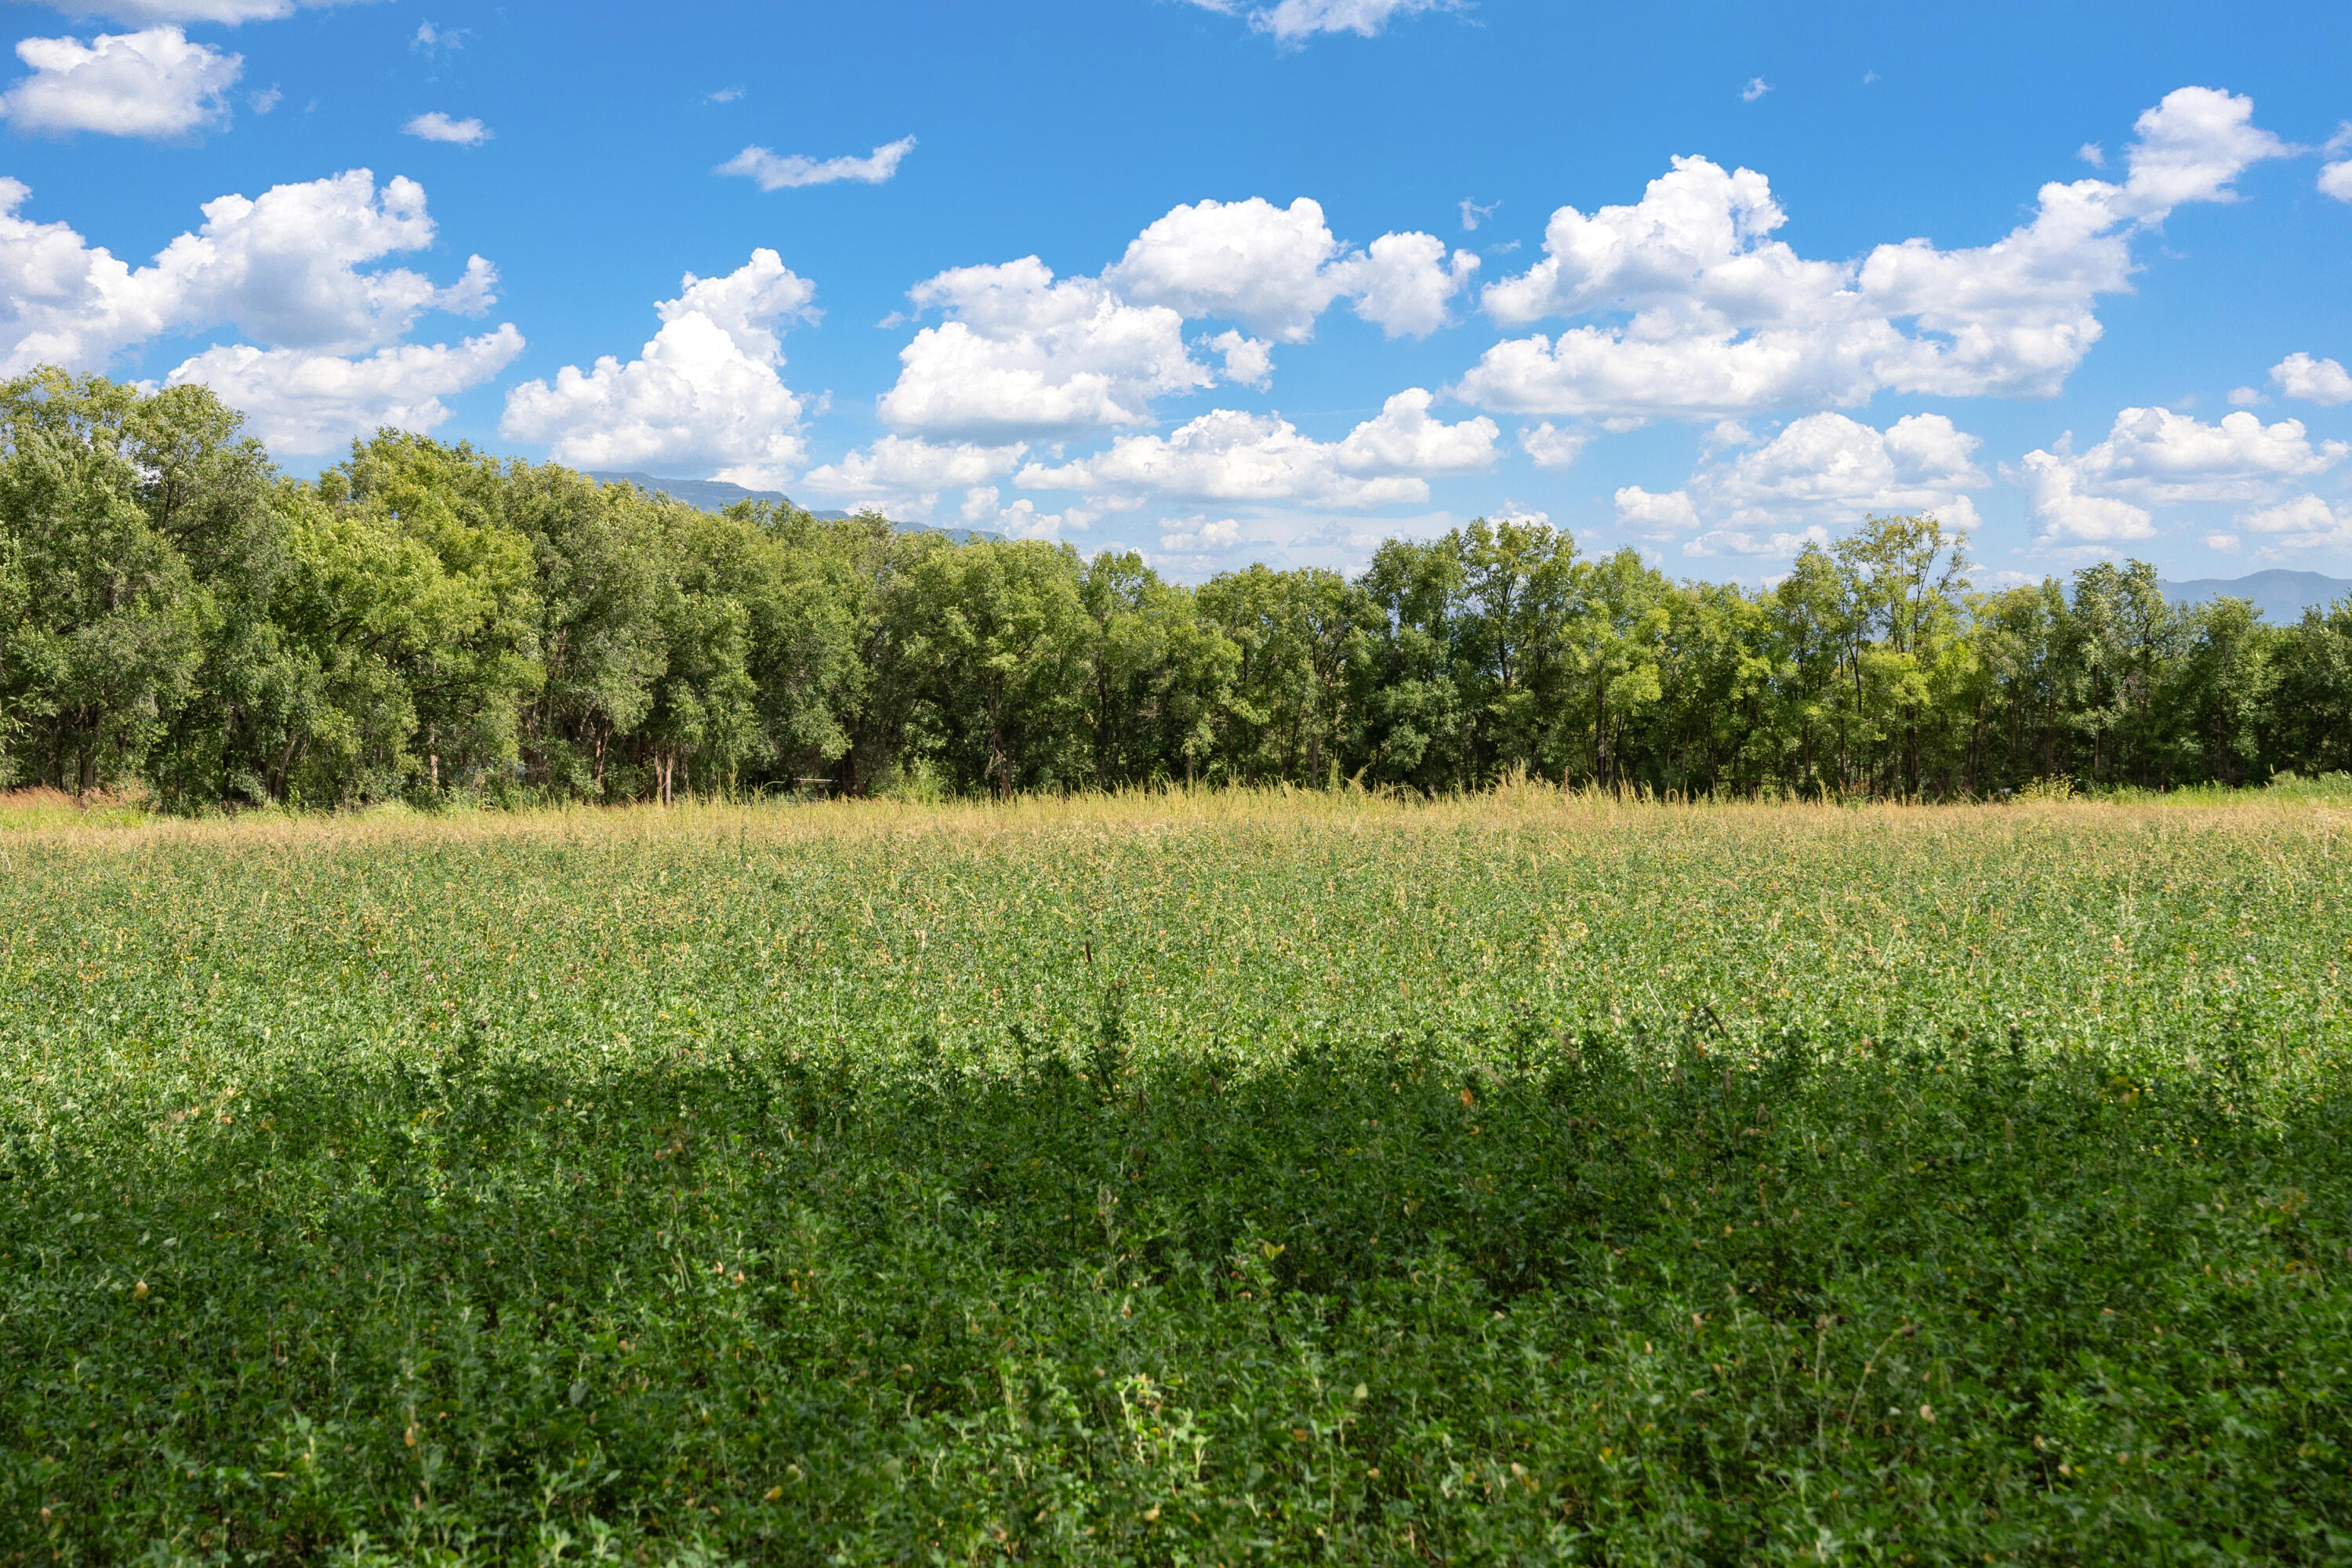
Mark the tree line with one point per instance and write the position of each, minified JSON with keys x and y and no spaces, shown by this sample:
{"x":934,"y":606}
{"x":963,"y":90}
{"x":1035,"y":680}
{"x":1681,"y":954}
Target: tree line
{"x":426,"y":621}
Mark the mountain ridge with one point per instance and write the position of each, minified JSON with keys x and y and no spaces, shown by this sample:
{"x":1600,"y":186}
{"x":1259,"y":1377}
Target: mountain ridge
{"x":718,"y":495}
{"x":2281,"y":595}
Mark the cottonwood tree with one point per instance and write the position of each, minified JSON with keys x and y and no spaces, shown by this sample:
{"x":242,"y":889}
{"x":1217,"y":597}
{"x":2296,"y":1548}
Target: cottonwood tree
{"x":428,"y":622}
{"x":110,"y":635}
{"x":996,"y":630}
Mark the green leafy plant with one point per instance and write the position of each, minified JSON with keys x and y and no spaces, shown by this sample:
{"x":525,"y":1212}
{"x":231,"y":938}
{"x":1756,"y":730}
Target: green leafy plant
{"x":1179,"y":1179}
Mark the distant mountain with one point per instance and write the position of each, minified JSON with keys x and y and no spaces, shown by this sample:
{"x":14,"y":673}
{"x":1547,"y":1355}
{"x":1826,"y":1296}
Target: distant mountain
{"x":2281,"y":596}
{"x":703,"y":495}
{"x":718,"y":495}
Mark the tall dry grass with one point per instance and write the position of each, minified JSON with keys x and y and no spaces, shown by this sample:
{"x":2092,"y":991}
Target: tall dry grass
{"x":52,"y":816}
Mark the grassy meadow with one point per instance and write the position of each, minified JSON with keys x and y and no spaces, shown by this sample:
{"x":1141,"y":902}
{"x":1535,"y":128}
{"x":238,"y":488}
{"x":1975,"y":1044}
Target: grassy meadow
{"x":1212,"y":1179}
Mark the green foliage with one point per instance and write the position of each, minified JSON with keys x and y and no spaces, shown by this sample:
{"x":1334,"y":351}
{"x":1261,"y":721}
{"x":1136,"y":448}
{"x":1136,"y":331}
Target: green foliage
{"x":1513,"y":1181}
{"x":106,"y":638}
{"x":598,"y":559}
{"x":992,"y":634}
{"x":15,"y":595}
{"x":428,"y":623}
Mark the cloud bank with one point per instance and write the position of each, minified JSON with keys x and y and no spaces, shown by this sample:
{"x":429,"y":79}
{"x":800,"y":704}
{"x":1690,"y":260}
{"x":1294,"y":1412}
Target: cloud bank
{"x":153,"y":84}
{"x":705,"y":394}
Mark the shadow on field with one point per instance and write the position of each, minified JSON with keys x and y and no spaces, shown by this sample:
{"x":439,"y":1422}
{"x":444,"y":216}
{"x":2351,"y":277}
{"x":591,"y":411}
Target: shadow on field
{"x":1623,"y":1299}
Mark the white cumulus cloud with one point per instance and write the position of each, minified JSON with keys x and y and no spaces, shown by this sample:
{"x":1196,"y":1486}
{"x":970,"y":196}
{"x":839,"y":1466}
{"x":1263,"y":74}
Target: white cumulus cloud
{"x":2155,"y":456}
{"x":1193,"y":535}
{"x":1295,"y":21}
{"x":1249,"y":362}
{"x":302,"y":403}
{"x":2335,"y":180}
{"x":1819,"y":471}
{"x":1229,"y":456}
{"x":774,"y":172}
{"x":1653,"y":515}
{"x":2191,"y":147}
{"x":705,"y":392}
{"x":2053,"y":485}
{"x":284,"y":267}
{"x":983,"y":509}
{"x":1275,"y":270}
{"x":1711,"y":314}
{"x":153,"y":83}
{"x":1753,"y":542}
{"x":2320,"y":381}
{"x":903,"y":477}
{"x":1828,"y":466}
{"x":228,"y":12}
{"x":2158,"y":456}
{"x":1548,"y":446}
{"x":1247,"y":261}
{"x":1403,"y":283}
{"x":2304,"y":522}
{"x":436,"y":126}
{"x":1024,"y":356}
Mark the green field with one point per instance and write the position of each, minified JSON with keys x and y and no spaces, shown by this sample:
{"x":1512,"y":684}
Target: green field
{"x":1215,"y":1179}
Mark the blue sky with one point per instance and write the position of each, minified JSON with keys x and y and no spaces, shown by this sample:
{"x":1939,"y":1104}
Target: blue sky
{"x":1248,"y":280}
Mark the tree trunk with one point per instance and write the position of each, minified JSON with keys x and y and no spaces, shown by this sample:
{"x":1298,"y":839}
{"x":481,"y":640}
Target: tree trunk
{"x":997,"y":767}
{"x":285,"y":761}
{"x":1600,"y":727}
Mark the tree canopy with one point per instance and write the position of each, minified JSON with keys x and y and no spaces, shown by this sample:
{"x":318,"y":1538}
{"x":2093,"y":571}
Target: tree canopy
{"x":424,"y":620}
